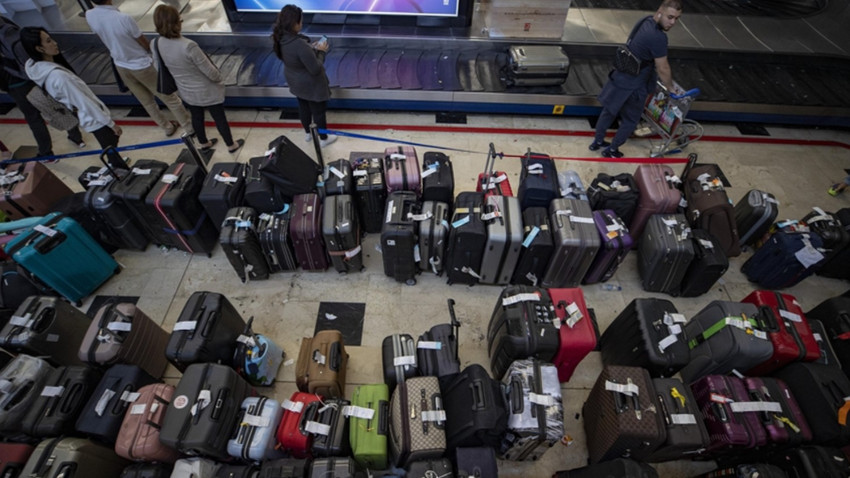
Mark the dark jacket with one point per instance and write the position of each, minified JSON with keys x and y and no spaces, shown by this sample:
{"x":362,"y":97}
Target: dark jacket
{"x":304,"y":68}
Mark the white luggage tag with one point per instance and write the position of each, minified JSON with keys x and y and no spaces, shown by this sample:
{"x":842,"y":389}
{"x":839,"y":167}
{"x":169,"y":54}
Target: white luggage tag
{"x":247,"y":340}
{"x":140,"y":171}
{"x":130,"y":397}
{"x":403,"y":360}
{"x":683,"y":419}
{"x":673,"y":322}
{"x":358,"y":412}
{"x":433,"y":415}
{"x":523,"y":297}
{"x":542,"y":399}
{"x":225,"y":179}
{"x":45,"y":230}
{"x":185,"y":325}
{"x":790,"y":315}
{"x":353,"y":252}
{"x":202,"y":402}
{"x":294,"y":407}
{"x":536,"y":168}
{"x":317,"y":428}
{"x":808,"y":255}
{"x":467,"y":270}
{"x":629,"y":389}
{"x":21,"y":321}
{"x":120,"y":326}
{"x":319,"y":358}
{"x":744,"y":407}
{"x":52,"y":391}
{"x":103,"y":401}
{"x":398,"y":157}
{"x":573,"y":315}
{"x":336,"y":172}
{"x":169,"y":178}
{"x":255,"y":421}
{"x":138,"y":409}
{"x":420,"y":217}
{"x":430,"y":170}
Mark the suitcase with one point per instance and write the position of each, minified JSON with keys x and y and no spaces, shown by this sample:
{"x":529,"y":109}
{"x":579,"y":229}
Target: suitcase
{"x":437,"y":349}
{"x":26,"y":377}
{"x":820,"y":391}
{"x":812,"y":462}
{"x":665,"y":252}
{"x":494,"y":182}
{"x":537,"y":247}
{"x":536,"y":420}
{"x":148,"y":470}
{"x":398,"y":238}
{"x":257,"y":358}
{"x":63,"y":256}
{"x":620,"y":417}
{"x":223,"y":190}
{"x":253,"y":439}
{"x":48,"y":327}
{"x":576,"y":243}
{"x":784,"y":260}
{"x":538,"y":181}
{"x":417,"y":425}
{"x":195,"y":467}
{"x":433,"y":235}
{"x":401,"y":169}
{"x":292,"y":433}
{"x":260,"y":193}
{"x":134,"y":188}
{"x":615,"y":242}
{"x":659,"y":194}
{"x":648,"y":333}
{"x":370,"y":429}
{"x":731,"y":430}
{"x":570,"y":185}
{"x":834,"y":314}
{"x":782,"y":419}
{"x":467,"y":239}
{"x":617,"y":467}
{"x":827,"y":352}
{"x":99,"y":175}
{"x":74,"y":207}
{"x":138,"y":437}
{"x":620,"y":193}
{"x":290,"y":169}
{"x":755,"y":470}
{"x":241,"y":245}
{"x":787,"y":329}
{"x":238,"y":471}
{"x":476,"y":409}
{"x":341,"y":232}
{"x":322,"y":364}
{"x":122,"y":333}
{"x":709,"y":207}
{"x":13,"y":457}
{"x":337,"y":178}
{"x":428,"y":468}
{"x":29,"y":189}
{"x":503,"y":219}
{"x":577,"y":333}
{"x":111,"y":210}
{"x":686,"y":433}
{"x":338,"y":467}
{"x":17,"y":285}
{"x":205,"y":331}
{"x":754,"y":214}
{"x":67,"y":457}
{"x":537,"y":65}
{"x":370,"y":191}
{"x":331,"y":429}
{"x":283,"y":468}
{"x":59,"y":402}
{"x":306,"y":232}
{"x":828,"y":227}
{"x":707,"y":267}
{"x":103,"y":414}
{"x":273,"y":231}
{"x":438,"y":180}
{"x":476,"y":462}
{"x":835,"y":264}
{"x":398,"y":355}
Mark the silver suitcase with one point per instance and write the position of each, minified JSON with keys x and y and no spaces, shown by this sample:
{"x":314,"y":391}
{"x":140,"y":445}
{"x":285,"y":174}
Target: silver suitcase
{"x":254,"y":437}
{"x":576,"y":243}
{"x":533,"y":391}
{"x":433,"y":236}
{"x":537,"y":65}
{"x":504,"y":239}
{"x":571,"y":185}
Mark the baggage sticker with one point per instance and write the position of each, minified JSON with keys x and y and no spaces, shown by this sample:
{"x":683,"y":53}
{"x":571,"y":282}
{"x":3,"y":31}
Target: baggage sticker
{"x":45,"y":230}
{"x":541,"y":399}
{"x":185,"y":325}
{"x":582,"y":220}
{"x":404,"y":360}
{"x":138,"y":409}
{"x":103,"y":401}
{"x":744,"y":407}
{"x":428,"y":172}
{"x":429,"y":345}
{"x":180,"y":402}
{"x":255,"y":421}
{"x":460,"y":222}
{"x":358,"y":412}
{"x":52,"y":338}
{"x":360,"y":172}
{"x":21,"y":321}
{"x":718,"y":398}
{"x":294,"y":407}
{"x":129,"y":396}
{"x":530,"y":237}
{"x":524,"y":297}
{"x":317,"y":428}
{"x":790,"y":315}
{"x":417,"y":256}
{"x":629,"y":389}
{"x":247,"y":340}
{"x":808,"y":256}
{"x":433,"y":415}
{"x":119,"y":326}
{"x":683,"y":419}
{"x":50,"y":391}
{"x":169,"y":178}
{"x":140,"y":171}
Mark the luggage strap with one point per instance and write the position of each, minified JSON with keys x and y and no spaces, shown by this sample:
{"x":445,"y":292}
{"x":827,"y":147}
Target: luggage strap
{"x":347,"y":254}
{"x":746,"y":324}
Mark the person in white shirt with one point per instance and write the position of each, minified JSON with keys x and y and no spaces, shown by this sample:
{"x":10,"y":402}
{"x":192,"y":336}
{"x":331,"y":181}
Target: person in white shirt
{"x":131,"y":53}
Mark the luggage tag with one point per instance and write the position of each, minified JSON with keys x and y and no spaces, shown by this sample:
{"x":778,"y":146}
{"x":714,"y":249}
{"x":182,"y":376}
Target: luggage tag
{"x":294,"y":407}
{"x":169,"y":178}
{"x":398,"y":156}
{"x":317,"y":428}
{"x":433,"y":416}
{"x":787,"y":422}
{"x":744,"y":407}
{"x":138,"y":409}
{"x":45,"y":230}
{"x":202,"y":402}
{"x":403,"y":360}
{"x":52,"y":391}
{"x":431,"y":169}
{"x":185,"y":325}
{"x":103,"y":401}
{"x":843,"y":411}
{"x":530,"y":237}
{"x":673,"y":322}
{"x":420,"y":217}
{"x":790,"y":315}
{"x":255,"y":420}
{"x":573,"y":316}
{"x":468,"y":270}
{"x":143,"y":172}
{"x":536,"y":168}
{"x":542,"y":399}
{"x":358,"y":412}
{"x":429,"y":345}
{"x":225,"y":178}
{"x":808,"y":255}
{"x":22,"y":321}
{"x":523,"y":297}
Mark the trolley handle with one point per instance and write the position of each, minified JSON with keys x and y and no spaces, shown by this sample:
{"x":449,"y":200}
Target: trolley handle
{"x":690,"y":93}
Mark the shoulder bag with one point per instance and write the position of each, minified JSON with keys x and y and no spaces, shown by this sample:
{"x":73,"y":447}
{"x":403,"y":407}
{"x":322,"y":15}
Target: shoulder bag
{"x":165,"y":83}
{"x":624,"y":60}
{"x":53,"y":112}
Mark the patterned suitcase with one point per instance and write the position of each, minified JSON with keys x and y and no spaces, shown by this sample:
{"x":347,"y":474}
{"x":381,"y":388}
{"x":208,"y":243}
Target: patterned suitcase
{"x":504,"y":239}
{"x":55,"y":410}
{"x":576,"y":243}
{"x":536,"y":420}
{"x":616,"y":242}
{"x":369,"y":425}
{"x":104,"y":412}
{"x":401,"y":169}
{"x":48,"y":327}
{"x":322,"y":364}
{"x":398,"y":237}
{"x":686,"y":433}
{"x":138,"y":438}
{"x":786,"y":327}
{"x":537,"y":247}
{"x":417,"y":425}
{"x":577,"y":334}
{"x":730,"y":429}
{"x":306,"y":232}
{"x":659,"y":194}
{"x":292,"y":433}
{"x":241,"y":244}
{"x":253,"y":439}
{"x":782,"y":418}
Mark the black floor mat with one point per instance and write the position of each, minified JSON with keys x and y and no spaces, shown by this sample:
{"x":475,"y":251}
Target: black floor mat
{"x":347,"y":317}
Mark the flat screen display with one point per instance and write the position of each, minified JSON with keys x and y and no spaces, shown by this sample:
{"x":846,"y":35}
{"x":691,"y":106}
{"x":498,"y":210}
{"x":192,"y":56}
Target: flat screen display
{"x":443,"y":8}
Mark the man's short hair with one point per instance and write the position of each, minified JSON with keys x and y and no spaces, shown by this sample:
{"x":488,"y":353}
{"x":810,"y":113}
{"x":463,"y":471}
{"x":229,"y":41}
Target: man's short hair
{"x":674,"y":4}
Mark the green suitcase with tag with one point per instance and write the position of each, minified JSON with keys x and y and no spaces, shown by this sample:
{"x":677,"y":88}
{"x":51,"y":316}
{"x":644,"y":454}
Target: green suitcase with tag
{"x":369,"y":435}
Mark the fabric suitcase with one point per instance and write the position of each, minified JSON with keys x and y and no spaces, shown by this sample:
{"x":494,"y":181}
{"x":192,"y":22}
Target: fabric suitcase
{"x":223,"y":189}
{"x":709,"y":207}
{"x":417,"y":425}
{"x":784,"y":260}
{"x":369,"y":435}
{"x":29,"y":189}
{"x":570,"y":185}
{"x":754,"y":214}
{"x":26,"y":377}
{"x":620,"y":416}
{"x":260,"y":193}
{"x":238,"y":471}
{"x":292,"y":433}
{"x":148,"y":470}
{"x":433,"y":235}
{"x":205,"y":331}
{"x":195,"y":467}
{"x":123,"y":333}
{"x":538,"y":181}
{"x":783,"y":421}
{"x":46,"y":326}
{"x":686,"y":432}
{"x":659,"y":194}
{"x":537,"y":247}
{"x":467,"y":239}
{"x":331,"y":438}
{"x":827,"y":352}
{"x":337,"y":178}
{"x":617,"y":467}
{"x":476,"y":409}
{"x":834,"y":314}
{"x":438,"y":181}
{"x":306,"y":232}
{"x":665,"y":252}
{"x":504,"y":239}
{"x":647,"y":333}
{"x":337,"y":467}
{"x":428,"y":468}
{"x":522,"y":326}
{"x":730,"y":429}
{"x":616,"y":242}
{"x":401,"y":169}
{"x":398,"y":238}
{"x":620,"y":193}
{"x":820,"y":391}
{"x":103,"y":414}
{"x":787,"y":329}
{"x":72,"y":457}
{"x":253,"y":438}
{"x":536,"y":420}
{"x":812,"y":462}
{"x":476,"y":462}
{"x":241,"y":245}
{"x":370,"y":191}
{"x":110,"y":209}
{"x":341,"y":232}
{"x":290,"y":169}
{"x":283,"y":468}
{"x":398,"y":355}
{"x":437,"y":349}
{"x":576,"y":243}
{"x":273,"y":232}
{"x":828,"y":227}
{"x":13,"y":457}
{"x":577,"y":334}
{"x":707,"y":267}
{"x":138,"y":437}
{"x":134,"y":187}
{"x":531,"y":65}
{"x":322,"y":364}
{"x":60,"y":401}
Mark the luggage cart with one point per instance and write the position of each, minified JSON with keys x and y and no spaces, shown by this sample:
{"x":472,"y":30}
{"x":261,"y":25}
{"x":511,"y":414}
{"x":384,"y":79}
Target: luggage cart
{"x":665,"y":112}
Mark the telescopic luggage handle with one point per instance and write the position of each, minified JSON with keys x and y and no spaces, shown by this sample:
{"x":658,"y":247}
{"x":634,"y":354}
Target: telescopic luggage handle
{"x":455,"y":325}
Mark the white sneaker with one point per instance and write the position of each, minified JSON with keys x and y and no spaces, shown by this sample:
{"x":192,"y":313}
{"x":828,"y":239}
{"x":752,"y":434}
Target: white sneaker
{"x":308,"y":137}
{"x":328,"y":141}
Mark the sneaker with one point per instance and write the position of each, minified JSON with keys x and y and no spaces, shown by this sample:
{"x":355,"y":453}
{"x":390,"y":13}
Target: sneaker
{"x":81,"y":144}
{"x":833,"y":191}
{"x":171,"y":128}
{"x":594,"y":146}
{"x":326,"y":142}
{"x":308,"y":137}
{"x":233,"y":148}
{"x":612,"y":153}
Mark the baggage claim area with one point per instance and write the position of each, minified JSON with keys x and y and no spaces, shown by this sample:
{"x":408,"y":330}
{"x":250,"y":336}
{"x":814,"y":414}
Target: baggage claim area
{"x":650,"y":311}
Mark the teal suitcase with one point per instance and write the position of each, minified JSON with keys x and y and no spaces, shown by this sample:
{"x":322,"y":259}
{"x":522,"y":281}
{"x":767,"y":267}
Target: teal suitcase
{"x":369,"y":436}
{"x":63,"y":255}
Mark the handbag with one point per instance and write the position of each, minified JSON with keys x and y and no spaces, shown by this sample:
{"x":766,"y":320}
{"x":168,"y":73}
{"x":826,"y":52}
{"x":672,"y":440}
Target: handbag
{"x":165,"y":83}
{"x":624,"y":60}
{"x":53,"y":112}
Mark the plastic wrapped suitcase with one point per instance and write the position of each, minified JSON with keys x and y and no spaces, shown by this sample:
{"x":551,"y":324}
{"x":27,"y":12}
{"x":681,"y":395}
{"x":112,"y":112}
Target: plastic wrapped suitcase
{"x":754,"y":214}
{"x":619,"y":192}
{"x":401,"y":169}
{"x":820,"y":391}
{"x":48,"y":327}
{"x":437,"y":349}
{"x":537,"y":247}
{"x":522,"y":326}
{"x":134,"y":187}
{"x":433,"y":236}
{"x":29,"y":189}
{"x":292,"y":433}
{"x":576,"y":243}
{"x":205,"y":331}
{"x":707,"y":267}
{"x":138,"y":438}
{"x":784,"y":260}
{"x":503,"y":220}
{"x":617,"y":467}
{"x":273,"y":231}
{"x":476,"y":409}
{"x":781,"y":416}
{"x":577,"y":334}
{"x":103,"y":414}
{"x":341,"y":233}
{"x":530,"y":65}
{"x":337,"y":178}
{"x":253,"y":438}
{"x":438,"y":183}
{"x":148,"y":470}
{"x":331,"y":429}
{"x":306,"y":232}
{"x":370,"y":190}
{"x":467,"y":239}
{"x":290,"y":169}
{"x":476,"y":462}
{"x":223,"y":189}
{"x":709,"y":207}
{"x":665,"y":252}
{"x":322,"y":364}
{"x":25,"y":376}
{"x":334,"y":467}
{"x":434,"y":467}
{"x":659,"y":194}
{"x":730,"y":430}
{"x":786,"y":327}
{"x":111,"y":210}
{"x":834,"y":314}
{"x":369,"y":425}
{"x":417,"y":421}
{"x":398,"y":238}
{"x":615,"y":242}
{"x":620,"y":416}
{"x":536,"y":419}
{"x":67,"y":457}
{"x":811,"y":462}
{"x":571,"y":186}
{"x":283,"y":468}
{"x":398,"y":355}
{"x":648,"y":333}
{"x":260,"y":193}
{"x":538,"y":181}
{"x":13,"y":458}
{"x":257,"y":358}
{"x":64,"y":394}
{"x":241,"y":245}
{"x":192,"y":467}
{"x":686,"y":433}
{"x":123,"y":333}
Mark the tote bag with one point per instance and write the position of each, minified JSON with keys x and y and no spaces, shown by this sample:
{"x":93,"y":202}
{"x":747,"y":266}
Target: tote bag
{"x":54,"y":112}
{"x":165,"y":83}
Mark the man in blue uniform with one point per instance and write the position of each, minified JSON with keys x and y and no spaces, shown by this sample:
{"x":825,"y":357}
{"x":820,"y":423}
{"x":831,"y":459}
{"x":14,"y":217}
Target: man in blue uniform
{"x":624,"y":95}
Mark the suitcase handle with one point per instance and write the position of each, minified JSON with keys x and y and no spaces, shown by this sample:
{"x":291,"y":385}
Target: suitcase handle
{"x":383,"y":417}
{"x":66,"y":470}
{"x":665,"y":412}
{"x":335,"y":356}
{"x":767,"y":319}
{"x":18,"y":395}
{"x":455,"y":326}
{"x":220,"y":402}
{"x":720,"y":412}
{"x":72,"y":398}
{"x":516,"y":395}
{"x":43,"y":320}
{"x":478,"y":402}
{"x":50,"y":242}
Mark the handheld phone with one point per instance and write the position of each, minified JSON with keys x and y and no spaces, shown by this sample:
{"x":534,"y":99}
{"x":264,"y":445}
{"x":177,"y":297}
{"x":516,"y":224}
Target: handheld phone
{"x":324,"y":39}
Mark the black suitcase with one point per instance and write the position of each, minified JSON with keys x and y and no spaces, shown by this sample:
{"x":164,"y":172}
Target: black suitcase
{"x":754,"y":214}
{"x":341,"y":231}
{"x":467,"y":239}
{"x":335,"y":442}
{"x":430,"y":468}
{"x":74,"y":206}
{"x":111,"y":210}
{"x":223,"y":189}
{"x":205,"y":408}
{"x":811,"y":462}
{"x":337,"y":178}
{"x":260,"y":193}
{"x":147,"y":470}
{"x":686,"y":432}
{"x":273,"y":232}
{"x":538,"y":181}
{"x":398,"y":355}
{"x":205,"y":331}
{"x":438,"y":180}
{"x":820,"y":391}
{"x":241,"y":245}
{"x":370,"y":189}
{"x":754,"y":470}
{"x":283,"y":468}
{"x":618,"y":467}
{"x":237,"y":471}
{"x":827,"y":352}
{"x":437,"y":349}
{"x":48,"y":327}
{"x":398,"y":237}
{"x":476,"y":409}
{"x":620,"y":193}
{"x":99,"y":175}
{"x":103,"y":414}
{"x":16,"y":286}
{"x":665,"y":252}
{"x":707,"y":267}
{"x":134,"y":188}
{"x":537,"y":247}
{"x":834,"y":314}
{"x":335,"y":467}
{"x":60,"y":402}
{"x":647,"y":333}
{"x":835,"y":264}
{"x":290,"y":169}
{"x":433,"y":224}
{"x":828,"y":227}
{"x":476,"y":462}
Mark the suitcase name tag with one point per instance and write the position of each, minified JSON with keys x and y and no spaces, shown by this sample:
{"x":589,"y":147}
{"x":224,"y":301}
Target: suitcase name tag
{"x":524,"y":297}
{"x":581,"y":220}
{"x":430,"y":170}
{"x":467,"y":270}
{"x":317,"y":428}
{"x":360,"y":172}
{"x":491,"y":215}
{"x":45,"y":230}
{"x":358,"y":412}
{"x":462,"y":221}
{"x":420,"y":217}
{"x":336,"y":172}
{"x":145,"y":172}
{"x":5,"y":385}
{"x":244,"y":339}
{"x":319,"y":358}
{"x":119,"y":326}
{"x":202,"y":402}
{"x":185,"y":325}
{"x":744,"y":407}
{"x":398,"y":157}
{"x":100,"y":182}
{"x":425,"y":344}
{"x":52,"y":391}
{"x":404,"y":360}
{"x":706,"y":244}
{"x":683,"y":419}
{"x":536,"y":168}
{"x":294,"y":407}
{"x":256,"y":420}
{"x":11,"y":179}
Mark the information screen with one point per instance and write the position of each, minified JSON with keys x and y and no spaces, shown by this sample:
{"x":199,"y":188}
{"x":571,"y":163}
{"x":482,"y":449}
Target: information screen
{"x":443,"y":8}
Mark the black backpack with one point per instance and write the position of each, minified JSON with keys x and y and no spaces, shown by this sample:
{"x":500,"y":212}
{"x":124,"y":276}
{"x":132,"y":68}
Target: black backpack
{"x":12,"y":53}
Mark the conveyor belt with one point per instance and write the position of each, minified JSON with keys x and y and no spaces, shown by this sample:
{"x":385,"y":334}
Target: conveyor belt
{"x":773,"y":8}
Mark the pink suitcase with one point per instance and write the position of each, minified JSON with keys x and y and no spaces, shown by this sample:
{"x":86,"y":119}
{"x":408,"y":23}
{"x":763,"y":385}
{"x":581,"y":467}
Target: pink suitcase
{"x":728,"y":430}
{"x":788,"y":426}
{"x":305,"y":228}
{"x":577,"y":332}
{"x":658,"y":194}
{"x":401,"y":169}
{"x":138,"y":438}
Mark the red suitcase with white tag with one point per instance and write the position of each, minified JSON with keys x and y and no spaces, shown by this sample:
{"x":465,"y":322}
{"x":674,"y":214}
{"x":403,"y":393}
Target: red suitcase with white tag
{"x":577,"y":332}
{"x":293,"y":434}
{"x":787,"y":328}
{"x":493,"y":182}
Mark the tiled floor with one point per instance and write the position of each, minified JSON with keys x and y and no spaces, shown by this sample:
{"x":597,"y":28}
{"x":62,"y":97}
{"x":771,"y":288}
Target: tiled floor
{"x":285,"y":306}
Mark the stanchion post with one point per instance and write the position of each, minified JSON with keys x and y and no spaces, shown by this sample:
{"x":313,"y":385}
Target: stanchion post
{"x":189,"y":141}
{"x":314,"y":132}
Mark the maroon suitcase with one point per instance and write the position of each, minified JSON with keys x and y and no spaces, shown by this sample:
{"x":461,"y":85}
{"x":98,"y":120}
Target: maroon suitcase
{"x":577,"y":332}
{"x":13,"y":457}
{"x":727,"y":430}
{"x":305,"y":228}
{"x":401,"y":169}
{"x":709,"y":207}
{"x":659,"y":194}
{"x":786,"y":424}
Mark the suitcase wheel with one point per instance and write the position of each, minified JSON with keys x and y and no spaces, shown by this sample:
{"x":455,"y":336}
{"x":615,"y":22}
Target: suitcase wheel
{"x":410,"y":282}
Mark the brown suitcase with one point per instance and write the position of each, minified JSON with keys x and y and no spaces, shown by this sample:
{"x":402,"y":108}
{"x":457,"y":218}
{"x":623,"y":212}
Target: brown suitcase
{"x":29,"y":189}
{"x":138,"y":438}
{"x":709,"y":207}
{"x":321,"y":365}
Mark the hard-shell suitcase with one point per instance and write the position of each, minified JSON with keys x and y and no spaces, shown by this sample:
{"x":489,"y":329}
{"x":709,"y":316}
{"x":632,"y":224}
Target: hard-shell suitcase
{"x":522,"y":326}
{"x":530,"y":65}
{"x":438,"y":180}
{"x":625,"y":467}
{"x":786,"y":327}
{"x":476,"y":462}
{"x":74,"y":207}
{"x":467,"y":239}
{"x":620,"y":415}
{"x":834,"y":314}
{"x":417,"y":426}
{"x":46,"y":326}
{"x":322,"y":364}
{"x":110,"y":209}
{"x":336,"y":467}
{"x":337,"y":178}
{"x":283,"y":468}
{"x":576,"y":333}
{"x":433,"y":467}
{"x":730,"y":429}
{"x":331,"y":429}
{"x":659,"y":194}
{"x":433,"y":235}
{"x":398,"y":355}
{"x":260,"y":193}
{"x":709,"y":207}
{"x":576,"y":243}
{"x":273,"y":231}
{"x":476,"y":409}
{"x":205,"y":331}
{"x":537,"y":247}
{"x":238,"y":471}
{"x":223,"y":189}
{"x":664,"y":253}
{"x":192,"y":467}
{"x":60,"y":401}
{"x":29,"y":189}
{"x":538,"y":181}
{"x":292,"y":433}
{"x":570,"y":185}
{"x":398,"y":237}
{"x":401,"y":169}
{"x":104,"y":412}
{"x":437,"y":349}
{"x":290,"y":169}
{"x":134,"y":188}
{"x":241,"y":245}
{"x":827,"y":352}
{"x":138,"y":438}
{"x":341,"y":232}
{"x":620,"y":193}
{"x":494,"y":182}
{"x":784,"y":260}
{"x":686,"y":432}
{"x":370,"y":429}
{"x":820,"y":391}
{"x":616,"y":242}
{"x":72,"y":457}
{"x":13,"y":458}
{"x":811,"y":462}
{"x":835,"y":263}
{"x":26,"y":377}
{"x":754,"y":470}
{"x":754,"y":214}
{"x":123,"y":333}
{"x":504,"y":239}
{"x":370,"y":191}
{"x":708,"y":265}
{"x":254,"y":439}
{"x":536,"y":420}
{"x":648,"y":333}
{"x":306,"y":232}
{"x":782,"y":418}
{"x":148,"y":470}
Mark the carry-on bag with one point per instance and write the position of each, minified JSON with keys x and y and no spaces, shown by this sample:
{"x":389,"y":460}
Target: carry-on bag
{"x":333,"y":467}
{"x":148,"y":470}
{"x":538,"y":181}
{"x":192,"y":467}
{"x":103,"y":414}
{"x":787,"y":328}
{"x":257,"y":357}
{"x":537,"y":65}
{"x":306,"y":231}
{"x":292,"y":433}
{"x":111,"y":210}
{"x":537,"y":247}
{"x":138,"y":437}
{"x":283,"y":468}
{"x":322,"y":364}
{"x":72,"y":457}
{"x":754,"y":214}
{"x":29,"y":189}
{"x":260,"y":193}
{"x":476,"y":409}
{"x":417,"y":426}
{"x":619,"y":192}
{"x":536,"y":419}
{"x":576,"y":243}
{"x":290,"y":169}
{"x":205,"y":331}
{"x":433,"y":235}
{"x":830,"y":229}
{"x":47,"y":327}
{"x":398,"y":355}
{"x":398,"y":237}
{"x":437,"y":349}
{"x":577,"y":334}
{"x":60,"y":401}
{"x":784,"y":260}
{"x":571,"y":186}
{"x":341,"y":232}
{"x":827,"y":352}
{"x":254,"y":438}
{"x":241,"y":244}
{"x":731,"y":429}
{"x":337,"y":178}
{"x":133,"y":188}
{"x":331,"y":429}
{"x":433,"y":467}
{"x":659,"y":194}
{"x":820,"y":391}
{"x":493,"y":182}
{"x":616,"y":467}
{"x":835,"y":263}
{"x":438,"y":180}
{"x":26,"y":377}
{"x":781,"y":416}
{"x":370,"y":191}
{"x":665,"y":252}
{"x":707,"y":267}
{"x":238,"y":471}
{"x":476,"y":462}
{"x":13,"y":458}
{"x":834,"y":315}
{"x":616,"y":242}
{"x":686,"y":433}
{"x":503,"y":221}
{"x":811,"y":462}
{"x":370,"y":425}
{"x":467,"y":239}
{"x":401,"y":169}
{"x":709,"y":207}
{"x":223,"y":190}
{"x":273,"y":231}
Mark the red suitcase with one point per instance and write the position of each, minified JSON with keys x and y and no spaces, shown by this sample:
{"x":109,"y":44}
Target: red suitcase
{"x":787,"y":328}
{"x":13,"y":457}
{"x":300,"y":410}
{"x":658,"y":194}
{"x":305,"y":228}
{"x":576,"y":331}
{"x":493,"y":182}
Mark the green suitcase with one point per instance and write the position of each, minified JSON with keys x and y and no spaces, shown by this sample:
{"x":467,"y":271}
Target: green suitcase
{"x":369,"y":436}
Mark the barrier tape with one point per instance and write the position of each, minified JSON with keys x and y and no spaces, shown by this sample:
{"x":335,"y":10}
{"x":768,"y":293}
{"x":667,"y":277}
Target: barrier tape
{"x":93,"y":152}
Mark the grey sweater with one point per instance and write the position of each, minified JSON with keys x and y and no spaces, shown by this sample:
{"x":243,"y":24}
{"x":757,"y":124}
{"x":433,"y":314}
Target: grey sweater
{"x":304,"y":68}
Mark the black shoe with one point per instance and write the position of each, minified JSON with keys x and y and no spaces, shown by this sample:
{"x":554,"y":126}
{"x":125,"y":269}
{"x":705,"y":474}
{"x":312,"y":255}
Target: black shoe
{"x":594,"y":146}
{"x":612,"y":153}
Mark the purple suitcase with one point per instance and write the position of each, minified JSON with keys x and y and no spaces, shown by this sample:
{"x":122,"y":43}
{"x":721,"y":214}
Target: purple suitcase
{"x":658,"y":194}
{"x":616,"y":243}
{"x":788,"y":426}
{"x":777,"y":432}
{"x":305,"y":227}
{"x":401,"y":169}
{"x":727,"y":430}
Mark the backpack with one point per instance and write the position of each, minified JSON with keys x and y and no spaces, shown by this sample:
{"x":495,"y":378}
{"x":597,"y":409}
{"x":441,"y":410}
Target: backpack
{"x":12,"y":53}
